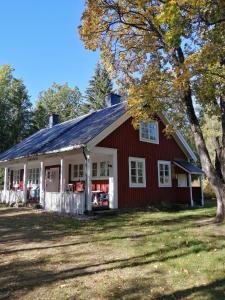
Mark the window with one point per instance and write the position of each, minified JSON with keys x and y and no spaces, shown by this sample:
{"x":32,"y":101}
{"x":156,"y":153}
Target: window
{"x":78,"y":171}
{"x":104,"y":169}
{"x":16,"y":177}
{"x":164,"y":173}
{"x":149,"y":132}
{"x":94,"y":169}
{"x":137,"y":176}
{"x":33,"y":176}
{"x":182,"y":180}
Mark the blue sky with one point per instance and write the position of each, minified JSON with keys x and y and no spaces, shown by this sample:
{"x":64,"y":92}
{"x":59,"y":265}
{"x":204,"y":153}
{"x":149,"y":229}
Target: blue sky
{"x":39,"y":38}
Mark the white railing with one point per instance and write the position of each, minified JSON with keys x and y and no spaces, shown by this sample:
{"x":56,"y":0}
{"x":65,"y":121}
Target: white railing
{"x":67,"y":202}
{"x":9,"y":197}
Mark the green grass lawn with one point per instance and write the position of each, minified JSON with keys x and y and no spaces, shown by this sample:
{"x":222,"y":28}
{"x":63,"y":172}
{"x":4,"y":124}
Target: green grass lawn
{"x":136,"y":255}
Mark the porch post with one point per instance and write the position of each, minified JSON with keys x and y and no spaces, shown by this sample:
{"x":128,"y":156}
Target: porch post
{"x":88,"y":187}
{"x":113,"y":185}
{"x":42,"y":184}
{"x":190,"y":186}
{"x":5,"y":184}
{"x":25,"y":183}
{"x":202,"y":195}
{"x":62,"y":176}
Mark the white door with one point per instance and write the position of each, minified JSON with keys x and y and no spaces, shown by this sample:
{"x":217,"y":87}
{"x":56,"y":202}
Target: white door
{"x":52,"y":180}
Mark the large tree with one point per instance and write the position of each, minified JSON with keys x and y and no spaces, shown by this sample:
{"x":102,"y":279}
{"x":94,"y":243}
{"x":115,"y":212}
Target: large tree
{"x":58,"y":99}
{"x":15,"y":110}
{"x":100,"y":85}
{"x":170,"y":56}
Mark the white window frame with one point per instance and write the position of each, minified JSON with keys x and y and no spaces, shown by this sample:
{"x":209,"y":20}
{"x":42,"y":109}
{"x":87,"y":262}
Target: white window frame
{"x":149,"y":140}
{"x":106,"y":169}
{"x":78,"y":172}
{"x":180,"y":178}
{"x":33,"y":176}
{"x":168,"y":163}
{"x":137,"y":185}
{"x":108,"y":166}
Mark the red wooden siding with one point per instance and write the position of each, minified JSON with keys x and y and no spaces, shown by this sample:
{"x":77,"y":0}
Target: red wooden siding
{"x":126,"y":140}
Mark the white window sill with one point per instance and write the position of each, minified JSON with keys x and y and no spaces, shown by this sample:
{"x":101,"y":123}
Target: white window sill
{"x":137,"y":186}
{"x":149,"y":141}
{"x":166,"y":186}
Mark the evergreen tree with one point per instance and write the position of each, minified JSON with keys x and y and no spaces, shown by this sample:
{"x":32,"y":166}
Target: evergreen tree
{"x":59,"y":99}
{"x":99,"y":86}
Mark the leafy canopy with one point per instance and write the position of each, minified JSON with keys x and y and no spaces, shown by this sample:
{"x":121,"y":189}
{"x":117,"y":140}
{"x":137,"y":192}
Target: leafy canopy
{"x":160,"y":49}
{"x":58,"y":99}
{"x":15,"y":109}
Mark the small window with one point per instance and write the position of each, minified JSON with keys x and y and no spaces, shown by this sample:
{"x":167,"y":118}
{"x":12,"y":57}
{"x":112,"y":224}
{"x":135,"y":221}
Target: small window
{"x":137,"y":176}
{"x":164,"y":173}
{"x":78,"y":171}
{"x":104,"y":169}
{"x":149,"y":132}
{"x":182,"y":180}
{"x":94,"y":169}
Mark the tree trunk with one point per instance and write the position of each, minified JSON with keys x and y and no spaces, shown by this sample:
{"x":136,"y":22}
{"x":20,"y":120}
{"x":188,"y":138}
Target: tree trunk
{"x":220,"y":197}
{"x":213,"y":176}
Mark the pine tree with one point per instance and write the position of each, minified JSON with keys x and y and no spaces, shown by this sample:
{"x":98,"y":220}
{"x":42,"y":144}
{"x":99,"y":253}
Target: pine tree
{"x":99,"y":86}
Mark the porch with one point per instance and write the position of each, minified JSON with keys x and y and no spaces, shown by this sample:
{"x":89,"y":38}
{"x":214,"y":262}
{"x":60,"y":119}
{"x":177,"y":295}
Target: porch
{"x":189,"y":182}
{"x":72,"y":182}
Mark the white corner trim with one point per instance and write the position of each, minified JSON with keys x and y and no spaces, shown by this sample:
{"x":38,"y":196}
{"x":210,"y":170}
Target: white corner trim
{"x":96,"y":140}
{"x":137,"y":185}
{"x":165,"y":162}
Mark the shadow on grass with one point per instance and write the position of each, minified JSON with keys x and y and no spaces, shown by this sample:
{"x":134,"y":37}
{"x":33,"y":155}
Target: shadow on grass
{"x":25,"y":275}
{"x":213,"y":291}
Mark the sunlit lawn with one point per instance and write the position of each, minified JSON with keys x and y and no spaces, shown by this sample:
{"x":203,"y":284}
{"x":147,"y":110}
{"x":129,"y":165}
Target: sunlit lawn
{"x":136,"y":255}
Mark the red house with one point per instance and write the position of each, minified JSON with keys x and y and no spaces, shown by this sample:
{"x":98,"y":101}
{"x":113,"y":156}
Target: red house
{"x":100,"y":161}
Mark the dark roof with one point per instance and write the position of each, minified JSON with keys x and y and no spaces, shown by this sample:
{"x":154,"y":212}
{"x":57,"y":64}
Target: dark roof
{"x":188,"y":167}
{"x":75,"y":132}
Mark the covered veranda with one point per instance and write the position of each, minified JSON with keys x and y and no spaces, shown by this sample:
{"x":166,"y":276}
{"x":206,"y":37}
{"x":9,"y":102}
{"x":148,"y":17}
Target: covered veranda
{"x":66,"y":182}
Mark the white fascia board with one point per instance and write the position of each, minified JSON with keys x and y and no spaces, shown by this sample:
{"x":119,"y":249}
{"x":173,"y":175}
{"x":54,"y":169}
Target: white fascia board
{"x":179,"y":138}
{"x":96,"y":140}
{"x":39,"y":155}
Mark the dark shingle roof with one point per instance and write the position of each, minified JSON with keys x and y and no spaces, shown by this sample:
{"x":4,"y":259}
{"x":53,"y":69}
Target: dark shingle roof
{"x":190,"y":168}
{"x":75,"y":132}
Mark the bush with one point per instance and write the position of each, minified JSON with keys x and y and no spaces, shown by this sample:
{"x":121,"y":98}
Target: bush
{"x":207,"y":189}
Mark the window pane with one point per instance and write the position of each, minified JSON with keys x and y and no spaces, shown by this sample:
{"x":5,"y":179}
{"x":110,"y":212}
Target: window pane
{"x":103,"y":168}
{"x":81,"y":170}
{"x":133,"y":179}
{"x":94,"y":169}
{"x":133,"y":172}
{"x":133,"y":164}
{"x":140,"y":179}
{"x":75,"y":171}
{"x":152,"y":129}
{"x":140,"y":172}
{"x":144,"y":131}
